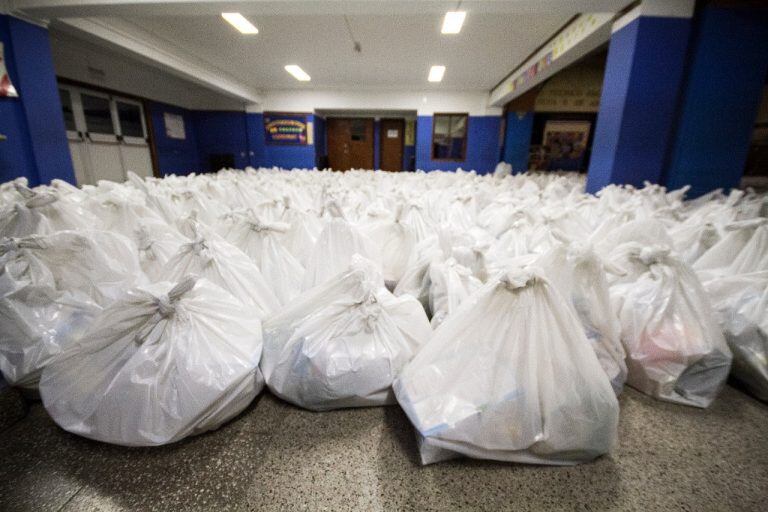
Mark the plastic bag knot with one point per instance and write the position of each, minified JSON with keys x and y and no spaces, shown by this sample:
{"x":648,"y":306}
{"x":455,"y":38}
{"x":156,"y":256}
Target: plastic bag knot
{"x":519,"y":278}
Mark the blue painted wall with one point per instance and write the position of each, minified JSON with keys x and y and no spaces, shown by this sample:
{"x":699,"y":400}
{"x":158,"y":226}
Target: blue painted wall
{"x":221,"y":132}
{"x":720,"y":99}
{"x":175,"y":156}
{"x":643,"y":75}
{"x":517,"y":140}
{"x":34,"y":124}
{"x":271,"y":155}
{"x":482,"y":145}
{"x":15,"y":153}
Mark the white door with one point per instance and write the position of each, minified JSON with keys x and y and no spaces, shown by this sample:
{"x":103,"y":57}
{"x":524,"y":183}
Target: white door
{"x":107,"y":135}
{"x":133,"y":136}
{"x":101,"y":138}
{"x":75,"y":137}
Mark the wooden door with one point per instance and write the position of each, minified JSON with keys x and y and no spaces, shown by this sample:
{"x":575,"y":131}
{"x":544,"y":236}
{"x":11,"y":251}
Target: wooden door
{"x":350,"y":143}
{"x":392,"y":138}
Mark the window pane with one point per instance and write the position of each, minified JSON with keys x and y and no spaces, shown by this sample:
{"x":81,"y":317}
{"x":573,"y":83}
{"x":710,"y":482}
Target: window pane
{"x":449,"y":138}
{"x":129,"y":116}
{"x":357,"y":129}
{"x":442,"y":125}
{"x":98,"y":118}
{"x":66,"y":107}
{"x":458,"y":126}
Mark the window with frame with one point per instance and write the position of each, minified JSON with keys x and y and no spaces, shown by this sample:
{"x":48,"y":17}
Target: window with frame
{"x":449,"y":137}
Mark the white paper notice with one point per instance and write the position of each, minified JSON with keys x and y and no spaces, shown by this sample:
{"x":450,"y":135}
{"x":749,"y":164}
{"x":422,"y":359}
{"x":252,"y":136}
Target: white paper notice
{"x":174,"y":126}
{"x":391,"y":134}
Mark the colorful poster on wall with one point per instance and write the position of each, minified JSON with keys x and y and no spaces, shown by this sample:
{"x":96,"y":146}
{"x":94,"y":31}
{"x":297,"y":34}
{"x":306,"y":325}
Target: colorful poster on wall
{"x":7,"y":90}
{"x":286,"y":128}
{"x":174,"y":126}
{"x":563,"y":147}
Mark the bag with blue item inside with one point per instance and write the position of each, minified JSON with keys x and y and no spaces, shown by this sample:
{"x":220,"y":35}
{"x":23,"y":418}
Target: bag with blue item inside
{"x":510,"y":376}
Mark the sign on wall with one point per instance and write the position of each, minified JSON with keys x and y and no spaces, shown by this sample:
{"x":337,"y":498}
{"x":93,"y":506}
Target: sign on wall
{"x":7,"y":90}
{"x":286,"y":128}
{"x":174,"y":126}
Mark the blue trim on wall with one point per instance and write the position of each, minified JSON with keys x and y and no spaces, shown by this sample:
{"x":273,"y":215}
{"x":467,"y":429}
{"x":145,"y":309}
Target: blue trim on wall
{"x":221,"y":132}
{"x":723,"y":89}
{"x":643,"y":74}
{"x":482,"y":145}
{"x":174,"y":156}
{"x":37,"y":145}
{"x":517,"y":140}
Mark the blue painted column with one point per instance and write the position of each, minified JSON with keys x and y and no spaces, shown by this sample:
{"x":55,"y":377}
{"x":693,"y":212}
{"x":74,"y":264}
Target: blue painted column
{"x":726,"y":76}
{"x":34,"y":124}
{"x":643,"y":77}
{"x":517,"y":140}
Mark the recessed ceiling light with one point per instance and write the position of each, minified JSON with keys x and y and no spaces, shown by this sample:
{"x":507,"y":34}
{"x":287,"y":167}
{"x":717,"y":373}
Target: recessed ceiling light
{"x":436,"y":73}
{"x":298,"y":73}
{"x":453,"y":21}
{"x":238,"y":21}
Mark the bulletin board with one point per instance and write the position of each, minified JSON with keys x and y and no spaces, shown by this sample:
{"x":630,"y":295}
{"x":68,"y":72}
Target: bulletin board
{"x":286,"y":128}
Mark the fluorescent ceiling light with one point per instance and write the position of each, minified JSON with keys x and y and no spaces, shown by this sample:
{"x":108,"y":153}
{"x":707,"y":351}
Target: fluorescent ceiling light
{"x":238,"y":21}
{"x":436,"y":73}
{"x":453,"y":21}
{"x":298,"y":73}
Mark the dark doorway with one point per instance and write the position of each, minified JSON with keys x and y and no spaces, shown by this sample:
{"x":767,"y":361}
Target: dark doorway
{"x":350,"y":143}
{"x":392,"y":137}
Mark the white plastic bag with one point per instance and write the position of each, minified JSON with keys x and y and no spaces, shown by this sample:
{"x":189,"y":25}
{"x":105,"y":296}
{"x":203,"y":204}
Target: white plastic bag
{"x":37,"y":318}
{"x":42,"y":213}
{"x":260,"y":241}
{"x":675,"y":349}
{"x":341,"y":344}
{"x":450,"y":285}
{"x":162,"y":363}
{"x":225,"y":265}
{"x":579,"y":275}
{"x":742,"y":305}
{"x":510,"y":376}
{"x":338,"y":242}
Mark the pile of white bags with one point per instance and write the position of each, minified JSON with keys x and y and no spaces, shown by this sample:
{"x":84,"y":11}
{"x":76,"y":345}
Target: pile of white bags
{"x":342,"y":343}
{"x":510,"y":376}
{"x":163,"y":362}
{"x":630,"y":284}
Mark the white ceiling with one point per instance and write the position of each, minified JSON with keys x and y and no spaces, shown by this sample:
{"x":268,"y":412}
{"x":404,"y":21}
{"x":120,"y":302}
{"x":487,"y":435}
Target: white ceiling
{"x":397,"y":50}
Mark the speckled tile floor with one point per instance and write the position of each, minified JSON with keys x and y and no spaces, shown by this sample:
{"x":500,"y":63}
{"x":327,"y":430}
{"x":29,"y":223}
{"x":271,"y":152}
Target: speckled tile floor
{"x":277,"y":457}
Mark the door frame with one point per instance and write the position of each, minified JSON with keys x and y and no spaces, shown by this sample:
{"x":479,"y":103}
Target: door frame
{"x":146,"y":109}
{"x":331,"y":119}
{"x":402,"y":139}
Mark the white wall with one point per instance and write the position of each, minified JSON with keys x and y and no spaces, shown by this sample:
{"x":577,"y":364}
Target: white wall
{"x":424,"y":102}
{"x":72,"y":58}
